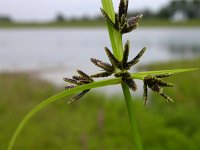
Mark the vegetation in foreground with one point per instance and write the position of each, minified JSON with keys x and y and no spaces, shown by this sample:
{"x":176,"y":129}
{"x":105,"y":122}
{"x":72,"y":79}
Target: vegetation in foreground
{"x":99,"y":122}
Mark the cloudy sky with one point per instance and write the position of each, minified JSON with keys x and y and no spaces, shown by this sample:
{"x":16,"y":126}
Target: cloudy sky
{"x":44,"y":10}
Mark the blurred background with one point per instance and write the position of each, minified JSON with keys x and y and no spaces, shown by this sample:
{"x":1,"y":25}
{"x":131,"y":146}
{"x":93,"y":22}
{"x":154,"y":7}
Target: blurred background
{"x":42,"y":41}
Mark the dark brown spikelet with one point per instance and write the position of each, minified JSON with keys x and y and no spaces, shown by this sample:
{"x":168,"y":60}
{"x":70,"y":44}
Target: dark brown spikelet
{"x":162,"y":83}
{"x":123,"y":22}
{"x":126,"y":53}
{"x":152,"y":80}
{"x":155,"y":87}
{"x":102,"y":74}
{"x":84,"y":82}
{"x":126,"y":77}
{"x":116,"y":22}
{"x":133,"y":21}
{"x":163,"y":75}
{"x":123,"y":7}
{"x":145,"y":94}
{"x":78,"y":96}
{"x":166,"y":97}
{"x":78,"y":78}
{"x":84,"y":75}
{"x":103,"y":65}
{"x":130,"y":24}
{"x":108,"y":18}
{"x":131,"y":83}
{"x":71,"y":81}
{"x":112,"y":59}
{"x":69,"y":87}
{"x":136,"y":59}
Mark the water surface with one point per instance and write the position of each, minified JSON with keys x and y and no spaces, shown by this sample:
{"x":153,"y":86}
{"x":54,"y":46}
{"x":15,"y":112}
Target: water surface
{"x":55,"y":53}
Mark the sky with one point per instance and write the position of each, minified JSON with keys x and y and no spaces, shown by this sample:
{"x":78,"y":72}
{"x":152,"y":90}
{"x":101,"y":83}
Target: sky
{"x":46,"y":10}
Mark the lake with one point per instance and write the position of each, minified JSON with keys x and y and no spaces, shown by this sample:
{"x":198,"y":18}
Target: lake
{"x":57,"y":53}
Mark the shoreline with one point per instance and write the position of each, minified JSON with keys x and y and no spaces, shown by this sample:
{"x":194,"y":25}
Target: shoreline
{"x":96,"y":24}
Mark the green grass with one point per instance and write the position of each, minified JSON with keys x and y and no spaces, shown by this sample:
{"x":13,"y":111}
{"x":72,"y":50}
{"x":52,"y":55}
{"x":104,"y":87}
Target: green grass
{"x":168,"y":23}
{"x":100,"y":122}
{"x":60,"y":126}
{"x":54,"y":24}
{"x":101,"y":23}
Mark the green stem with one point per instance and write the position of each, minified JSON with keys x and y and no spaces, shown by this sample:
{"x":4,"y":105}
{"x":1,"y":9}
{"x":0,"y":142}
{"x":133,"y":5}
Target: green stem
{"x":115,"y":36}
{"x":132,"y":119}
{"x":116,"y":41}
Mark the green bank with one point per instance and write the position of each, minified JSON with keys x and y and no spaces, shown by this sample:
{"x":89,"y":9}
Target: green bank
{"x":100,"y":23}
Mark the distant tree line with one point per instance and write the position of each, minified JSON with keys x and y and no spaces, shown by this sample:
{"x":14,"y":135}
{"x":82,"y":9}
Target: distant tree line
{"x":190,"y":8}
{"x":5,"y":19}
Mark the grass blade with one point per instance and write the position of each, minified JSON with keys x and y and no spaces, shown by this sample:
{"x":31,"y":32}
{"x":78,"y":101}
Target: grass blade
{"x":115,"y":36}
{"x":141,"y":75}
{"x":54,"y":98}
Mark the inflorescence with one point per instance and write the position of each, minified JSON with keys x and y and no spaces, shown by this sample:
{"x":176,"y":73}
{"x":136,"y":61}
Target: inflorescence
{"x":81,"y":79}
{"x":122,"y":23}
{"x":119,"y":68}
{"x":156,"y":85}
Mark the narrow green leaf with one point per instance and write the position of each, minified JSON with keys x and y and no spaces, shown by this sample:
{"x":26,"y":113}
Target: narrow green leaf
{"x":56,"y":97}
{"x":115,"y":36}
{"x":141,"y":75}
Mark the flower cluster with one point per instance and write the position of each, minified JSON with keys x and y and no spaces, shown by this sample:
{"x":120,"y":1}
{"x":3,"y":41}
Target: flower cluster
{"x":122,"y":23}
{"x":156,"y":85}
{"x":81,"y":79}
{"x":119,"y":68}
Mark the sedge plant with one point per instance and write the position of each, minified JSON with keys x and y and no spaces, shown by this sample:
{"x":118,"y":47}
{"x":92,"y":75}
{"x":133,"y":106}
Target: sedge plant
{"x":118,"y":24}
